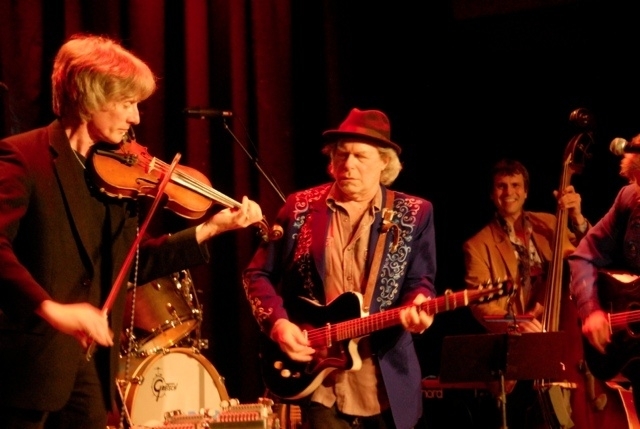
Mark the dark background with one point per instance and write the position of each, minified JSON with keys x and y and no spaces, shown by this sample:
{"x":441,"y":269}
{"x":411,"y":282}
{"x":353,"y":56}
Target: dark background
{"x":463,"y":82}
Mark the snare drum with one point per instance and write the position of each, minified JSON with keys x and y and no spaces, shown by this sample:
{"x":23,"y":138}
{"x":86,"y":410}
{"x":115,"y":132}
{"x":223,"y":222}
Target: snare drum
{"x":176,"y":380}
{"x":166,"y":311}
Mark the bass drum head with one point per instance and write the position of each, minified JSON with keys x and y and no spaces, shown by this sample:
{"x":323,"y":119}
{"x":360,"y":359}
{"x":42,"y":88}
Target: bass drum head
{"x":177,"y":380}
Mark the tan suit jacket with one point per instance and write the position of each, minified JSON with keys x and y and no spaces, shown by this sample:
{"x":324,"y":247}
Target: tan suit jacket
{"x":490,"y":257}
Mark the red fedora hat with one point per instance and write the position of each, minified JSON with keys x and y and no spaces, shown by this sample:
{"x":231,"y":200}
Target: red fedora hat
{"x":370,"y":125}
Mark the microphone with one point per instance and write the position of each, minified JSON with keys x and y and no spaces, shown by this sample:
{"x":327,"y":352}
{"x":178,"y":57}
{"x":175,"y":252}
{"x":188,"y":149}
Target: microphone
{"x":205,"y":112}
{"x":620,"y":146}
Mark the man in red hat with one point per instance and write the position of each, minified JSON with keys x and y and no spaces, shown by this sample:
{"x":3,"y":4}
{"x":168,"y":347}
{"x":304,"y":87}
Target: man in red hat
{"x":351,"y":248}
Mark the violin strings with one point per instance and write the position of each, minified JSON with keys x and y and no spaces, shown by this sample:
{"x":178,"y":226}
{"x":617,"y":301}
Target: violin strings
{"x":182,"y":178}
{"x":196,"y":185}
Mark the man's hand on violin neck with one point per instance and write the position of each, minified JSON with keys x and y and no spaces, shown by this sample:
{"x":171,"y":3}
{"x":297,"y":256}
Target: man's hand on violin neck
{"x":228,"y":219}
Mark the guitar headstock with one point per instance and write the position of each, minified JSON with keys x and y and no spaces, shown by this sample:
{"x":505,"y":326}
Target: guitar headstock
{"x":492,"y":289}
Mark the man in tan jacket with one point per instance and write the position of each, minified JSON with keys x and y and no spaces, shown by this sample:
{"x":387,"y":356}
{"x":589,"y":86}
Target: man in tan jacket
{"x":518,"y":245}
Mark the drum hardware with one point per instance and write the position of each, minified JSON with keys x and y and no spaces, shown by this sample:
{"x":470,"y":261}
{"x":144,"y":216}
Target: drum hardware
{"x":194,"y":340}
{"x":173,"y":312}
{"x":124,"y":412}
{"x":124,"y":416}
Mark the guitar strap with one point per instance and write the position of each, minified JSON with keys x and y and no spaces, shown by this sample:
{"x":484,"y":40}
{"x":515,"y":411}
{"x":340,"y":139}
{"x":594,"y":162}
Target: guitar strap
{"x":387,"y":224}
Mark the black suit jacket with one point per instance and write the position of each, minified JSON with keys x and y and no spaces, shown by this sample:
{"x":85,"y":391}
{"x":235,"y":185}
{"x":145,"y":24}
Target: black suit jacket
{"x":57,"y":235}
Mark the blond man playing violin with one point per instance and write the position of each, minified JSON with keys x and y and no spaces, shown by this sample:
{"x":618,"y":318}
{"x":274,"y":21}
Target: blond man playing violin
{"x":62,"y":243}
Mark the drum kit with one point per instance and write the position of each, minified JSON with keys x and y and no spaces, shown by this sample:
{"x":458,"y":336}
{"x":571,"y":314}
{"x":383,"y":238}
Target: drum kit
{"x":162,"y":371}
{"x":164,"y":381}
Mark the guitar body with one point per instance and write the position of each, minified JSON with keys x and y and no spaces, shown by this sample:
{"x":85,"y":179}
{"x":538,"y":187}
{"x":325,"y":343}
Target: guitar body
{"x":290,"y":379}
{"x":594,"y":405}
{"x":622,"y":350}
{"x":618,"y":297}
{"x":607,"y":404}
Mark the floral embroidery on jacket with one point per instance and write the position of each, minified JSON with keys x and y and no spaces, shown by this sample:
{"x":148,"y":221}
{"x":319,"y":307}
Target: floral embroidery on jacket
{"x":394,"y":265}
{"x":302,"y":235}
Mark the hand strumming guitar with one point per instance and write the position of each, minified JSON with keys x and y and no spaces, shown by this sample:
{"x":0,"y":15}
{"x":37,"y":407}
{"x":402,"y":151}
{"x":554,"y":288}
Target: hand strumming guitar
{"x":292,"y":340}
{"x":597,"y":330}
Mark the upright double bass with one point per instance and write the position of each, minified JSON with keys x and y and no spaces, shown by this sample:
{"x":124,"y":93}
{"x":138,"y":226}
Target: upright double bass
{"x":580,"y":401}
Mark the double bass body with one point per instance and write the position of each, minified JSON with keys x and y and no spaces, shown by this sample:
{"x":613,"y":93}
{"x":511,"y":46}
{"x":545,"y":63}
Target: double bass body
{"x":593,"y":404}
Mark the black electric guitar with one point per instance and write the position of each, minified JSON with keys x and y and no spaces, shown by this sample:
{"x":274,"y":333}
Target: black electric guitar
{"x":334,"y":330}
{"x":620,"y":293}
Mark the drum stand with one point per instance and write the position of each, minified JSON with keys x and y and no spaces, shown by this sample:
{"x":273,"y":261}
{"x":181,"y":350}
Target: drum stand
{"x":499,"y":357}
{"x":125,"y":417}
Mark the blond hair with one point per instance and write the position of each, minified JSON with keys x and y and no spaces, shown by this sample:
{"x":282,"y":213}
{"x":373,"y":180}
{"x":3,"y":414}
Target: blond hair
{"x":91,"y":71}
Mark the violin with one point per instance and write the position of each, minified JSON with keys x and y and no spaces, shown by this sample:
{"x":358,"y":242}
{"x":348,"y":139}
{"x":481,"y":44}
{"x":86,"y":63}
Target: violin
{"x":129,"y":171}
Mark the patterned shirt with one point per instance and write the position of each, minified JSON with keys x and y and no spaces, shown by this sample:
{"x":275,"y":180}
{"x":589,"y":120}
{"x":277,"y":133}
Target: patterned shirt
{"x":530,"y":267}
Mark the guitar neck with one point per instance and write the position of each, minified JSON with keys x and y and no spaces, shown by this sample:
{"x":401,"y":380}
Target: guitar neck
{"x":366,"y":325}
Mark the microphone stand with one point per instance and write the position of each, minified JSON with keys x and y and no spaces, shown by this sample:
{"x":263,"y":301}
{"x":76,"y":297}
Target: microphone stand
{"x":253,"y":159}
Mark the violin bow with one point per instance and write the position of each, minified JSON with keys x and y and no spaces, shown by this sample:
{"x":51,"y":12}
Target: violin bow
{"x":115,"y":289}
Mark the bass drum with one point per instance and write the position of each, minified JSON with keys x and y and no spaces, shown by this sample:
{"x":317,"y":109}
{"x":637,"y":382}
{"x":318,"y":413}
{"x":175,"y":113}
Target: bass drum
{"x":178,"y":380}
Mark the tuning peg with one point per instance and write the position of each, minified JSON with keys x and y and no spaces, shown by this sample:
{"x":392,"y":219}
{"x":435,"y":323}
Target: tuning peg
{"x":487,"y":283}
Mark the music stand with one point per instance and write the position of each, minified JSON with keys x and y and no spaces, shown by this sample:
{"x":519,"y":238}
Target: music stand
{"x":500,"y":357}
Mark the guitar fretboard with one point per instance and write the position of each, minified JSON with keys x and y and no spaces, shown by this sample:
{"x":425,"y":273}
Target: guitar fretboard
{"x":326,"y":335}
